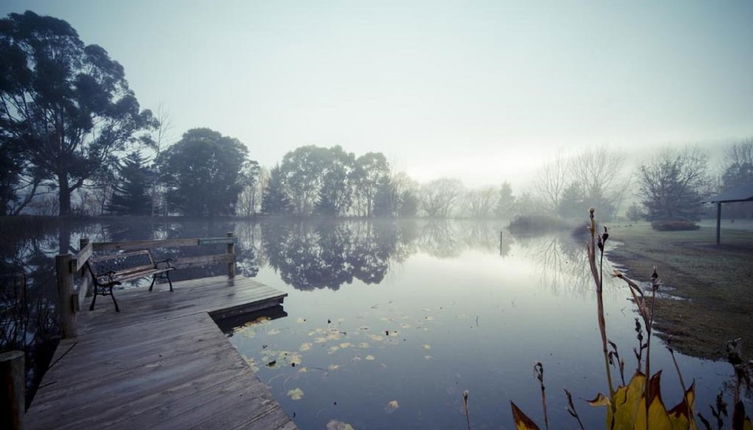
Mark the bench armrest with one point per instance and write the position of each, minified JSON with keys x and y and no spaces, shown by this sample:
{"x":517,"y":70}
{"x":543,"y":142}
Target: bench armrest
{"x":109,"y":276}
{"x":167,"y":262}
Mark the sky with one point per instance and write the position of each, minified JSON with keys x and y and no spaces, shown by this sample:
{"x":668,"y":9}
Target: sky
{"x":481,"y":90}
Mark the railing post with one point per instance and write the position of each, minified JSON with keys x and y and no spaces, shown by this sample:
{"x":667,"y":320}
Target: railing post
{"x":231,"y":264}
{"x":85,"y":280}
{"x":12,"y":399}
{"x":65,"y":295}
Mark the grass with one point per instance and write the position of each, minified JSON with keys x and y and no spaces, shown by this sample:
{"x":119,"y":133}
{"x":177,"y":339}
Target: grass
{"x":714,"y":284}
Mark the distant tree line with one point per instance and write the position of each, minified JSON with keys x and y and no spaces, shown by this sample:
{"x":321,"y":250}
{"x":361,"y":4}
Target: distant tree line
{"x":74,"y":140}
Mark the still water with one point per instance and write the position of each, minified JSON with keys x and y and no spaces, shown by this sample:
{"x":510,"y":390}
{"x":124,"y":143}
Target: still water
{"x":387,"y":323}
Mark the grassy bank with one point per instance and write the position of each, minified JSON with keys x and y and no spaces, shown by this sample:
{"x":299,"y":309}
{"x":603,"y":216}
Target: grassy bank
{"x":715,"y":283}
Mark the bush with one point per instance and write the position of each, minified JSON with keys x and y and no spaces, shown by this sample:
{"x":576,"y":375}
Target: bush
{"x":532,"y":224}
{"x":674,"y":225}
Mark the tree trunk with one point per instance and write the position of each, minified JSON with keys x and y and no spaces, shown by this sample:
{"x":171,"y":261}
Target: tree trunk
{"x":64,"y":195}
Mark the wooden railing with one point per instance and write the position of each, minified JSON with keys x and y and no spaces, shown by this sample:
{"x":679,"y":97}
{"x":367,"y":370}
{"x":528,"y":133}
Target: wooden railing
{"x":68,"y":266}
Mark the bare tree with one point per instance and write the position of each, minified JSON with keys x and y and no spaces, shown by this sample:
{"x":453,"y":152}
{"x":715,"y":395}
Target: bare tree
{"x":481,"y":202}
{"x":552,"y":180}
{"x":158,"y":144}
{"x":599,"y":174}
{"x":439,"y":196}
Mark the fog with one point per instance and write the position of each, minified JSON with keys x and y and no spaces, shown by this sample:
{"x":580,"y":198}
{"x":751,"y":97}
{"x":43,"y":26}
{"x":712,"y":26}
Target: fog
{"x":481,"y":91}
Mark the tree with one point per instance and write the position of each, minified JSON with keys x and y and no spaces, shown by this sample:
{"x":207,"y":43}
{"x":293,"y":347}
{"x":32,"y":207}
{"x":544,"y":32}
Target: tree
{"x":505,"y":202}
{"x":202,"y":172}
{"x":65,"y":104}
{"x":480,"y":203}
{"x":738,"y":171}
{"x":438,"y":197}
{"x":248,"y":198}
{"x":131,"y":195}
{"x":386,"y":200}
{"x":573,"y":204}
{"x":336,"y":192}
{"x":739,"y":165}
{"x":372,"y":172}
{"x":301,"y":172}
{"x":158,"y":142}
{"x":598,"y":175}
{"x":406,"y":195}
{"x":552,"y":180}
{"x":19,"y":180}
{"x":634,"y":213}
{"x":275,"y":199}
{"x":673,"y":184}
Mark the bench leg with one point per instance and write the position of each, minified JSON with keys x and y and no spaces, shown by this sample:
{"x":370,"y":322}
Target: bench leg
{"x":154,"y":278}
{"x":94,"y":299}
{"x":112,"y":294}
{"x":169,"y":281}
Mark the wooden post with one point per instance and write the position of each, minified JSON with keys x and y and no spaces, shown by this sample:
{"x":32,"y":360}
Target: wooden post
{"x":231,"y":264}
{"x":65,"y":295}
{"x":12,"y":400}
{"x":718,"y":222}
{"x":85,"y":280}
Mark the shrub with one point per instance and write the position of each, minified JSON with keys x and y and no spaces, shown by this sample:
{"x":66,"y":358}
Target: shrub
{"x":528,"y":224}
{"x":674,"y":225}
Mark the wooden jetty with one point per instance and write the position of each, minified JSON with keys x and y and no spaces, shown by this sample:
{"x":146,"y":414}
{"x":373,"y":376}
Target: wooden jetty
{"x":160,"y":363}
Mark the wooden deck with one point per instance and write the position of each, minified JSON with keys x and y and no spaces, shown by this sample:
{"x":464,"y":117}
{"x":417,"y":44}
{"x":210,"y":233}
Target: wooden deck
{"x":161,"y":363}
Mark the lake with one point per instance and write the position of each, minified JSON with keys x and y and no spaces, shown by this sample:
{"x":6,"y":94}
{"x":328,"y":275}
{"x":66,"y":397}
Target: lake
{"x":387,"y":323}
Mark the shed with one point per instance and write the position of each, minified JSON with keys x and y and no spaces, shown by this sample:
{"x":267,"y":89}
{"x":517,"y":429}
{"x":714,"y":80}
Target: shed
{"x":742,"y":193}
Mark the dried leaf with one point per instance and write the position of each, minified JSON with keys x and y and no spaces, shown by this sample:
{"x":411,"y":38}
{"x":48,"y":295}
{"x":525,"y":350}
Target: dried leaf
{"x":522,"y":422}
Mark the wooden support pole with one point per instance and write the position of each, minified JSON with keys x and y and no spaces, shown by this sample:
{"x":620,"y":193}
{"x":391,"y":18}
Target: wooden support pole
{"x":718,"y":222}
{"x":12,"y":399}
{"x":67,"y":316}
{"x":85,"y":280}
{"x":231,"y":264}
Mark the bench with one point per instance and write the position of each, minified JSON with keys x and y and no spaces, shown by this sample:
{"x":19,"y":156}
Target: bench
{"x":110,"y":270}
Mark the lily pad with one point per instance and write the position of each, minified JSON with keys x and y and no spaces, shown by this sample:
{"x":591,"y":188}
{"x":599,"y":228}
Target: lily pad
{"x":295,"y":394}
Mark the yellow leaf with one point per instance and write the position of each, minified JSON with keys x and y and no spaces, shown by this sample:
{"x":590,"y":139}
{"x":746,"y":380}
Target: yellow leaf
{"x":599,"y":400}
{"x":522,"y":422}
{"x":658,"y":417}
{"x":681,"y":415}
{"x":626,"y":403}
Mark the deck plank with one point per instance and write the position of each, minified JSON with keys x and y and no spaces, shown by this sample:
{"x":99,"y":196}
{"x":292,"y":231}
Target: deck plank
{"x":161,"y":363}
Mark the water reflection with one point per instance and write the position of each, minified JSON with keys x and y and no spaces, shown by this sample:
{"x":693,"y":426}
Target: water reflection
{"x":423,"y":310}
{"x":308,"y":254}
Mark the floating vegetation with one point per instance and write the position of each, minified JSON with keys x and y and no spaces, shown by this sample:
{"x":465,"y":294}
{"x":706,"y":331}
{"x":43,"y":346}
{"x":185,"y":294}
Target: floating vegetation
{"x":370,"y":357}
{"x":391,"y":407}
{"x":295,"y":394}
{"x":305,"y":346}
{"x":339,"y":425}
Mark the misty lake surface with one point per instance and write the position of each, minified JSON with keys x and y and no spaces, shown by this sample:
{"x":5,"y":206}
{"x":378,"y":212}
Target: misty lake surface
{"x":387,"y":323}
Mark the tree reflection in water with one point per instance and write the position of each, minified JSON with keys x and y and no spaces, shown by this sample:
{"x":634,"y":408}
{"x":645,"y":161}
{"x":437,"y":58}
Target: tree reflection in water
{"x":329,"y":254}
{"x":326,"y":254}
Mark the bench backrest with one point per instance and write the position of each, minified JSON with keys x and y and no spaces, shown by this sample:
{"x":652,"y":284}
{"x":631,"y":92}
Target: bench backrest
{"x":124,"y":262}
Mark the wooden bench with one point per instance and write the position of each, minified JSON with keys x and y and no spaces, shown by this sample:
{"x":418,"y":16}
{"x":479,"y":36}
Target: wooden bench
{"x":110,"y":270}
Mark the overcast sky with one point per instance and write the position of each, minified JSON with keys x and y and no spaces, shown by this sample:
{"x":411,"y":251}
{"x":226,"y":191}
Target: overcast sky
{"x":482,"y":90}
